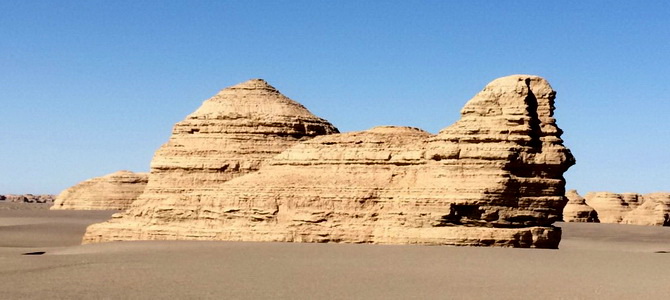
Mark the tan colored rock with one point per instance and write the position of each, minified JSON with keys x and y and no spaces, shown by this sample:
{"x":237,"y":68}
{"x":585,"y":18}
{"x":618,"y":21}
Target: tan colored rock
{"x":229,"y":135}
{"x":612,"y":207}
{"x":630,"y":208}
{"x":577,"y":210}
{"x":494,"y":178}
{"x":654,"y":211}
{"x":114,"y":191}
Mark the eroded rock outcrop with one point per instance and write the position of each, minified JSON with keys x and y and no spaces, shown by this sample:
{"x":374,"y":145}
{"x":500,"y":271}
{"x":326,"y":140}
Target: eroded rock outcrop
{"x":229,"y":135}
{"x":612,"y":207}
{"x":654,"y":211}
{"x":631,"y":208}
{"x":114,"y":191}
{"x":495,"y":177}
{"x":577,"y":210}
{"x":28,"y":198}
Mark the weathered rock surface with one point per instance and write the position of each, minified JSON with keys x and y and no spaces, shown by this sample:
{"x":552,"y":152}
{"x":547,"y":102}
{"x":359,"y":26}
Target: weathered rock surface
{"x":654,"y":211}
{"x":631,"y":208}
{"x":612,"y":207}
{"x":230,"y":135}
{"x":577,"y":210}
{"x":495,"y":177}
{"x":114,"y":191}
{"x":28,"y":198}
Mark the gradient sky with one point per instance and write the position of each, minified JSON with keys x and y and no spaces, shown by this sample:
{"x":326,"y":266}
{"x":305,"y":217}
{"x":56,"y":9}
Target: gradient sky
{"x":91,"y":87}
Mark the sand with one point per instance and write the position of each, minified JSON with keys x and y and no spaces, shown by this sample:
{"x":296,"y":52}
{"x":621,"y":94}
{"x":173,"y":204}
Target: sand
{"x":595,"y":261}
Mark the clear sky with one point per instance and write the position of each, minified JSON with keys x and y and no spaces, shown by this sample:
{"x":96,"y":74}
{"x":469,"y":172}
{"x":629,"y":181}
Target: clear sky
{"x":91,"y":87}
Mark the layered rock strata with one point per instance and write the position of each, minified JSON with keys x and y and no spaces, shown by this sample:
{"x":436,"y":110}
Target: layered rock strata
{"x":114,"y":191}
{"x":612,"y":207}
{"x":631,"y":208}
{"x":654,"y":211}
{"x":494,"y":178}
{"x":576,"y":210}
{"x":229,"y":135}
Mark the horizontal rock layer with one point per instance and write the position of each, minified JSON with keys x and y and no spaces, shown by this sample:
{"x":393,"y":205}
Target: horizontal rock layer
{"x":114,"y":191}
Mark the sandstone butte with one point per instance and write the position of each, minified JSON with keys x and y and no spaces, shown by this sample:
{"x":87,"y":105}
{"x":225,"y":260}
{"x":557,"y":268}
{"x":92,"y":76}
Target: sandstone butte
{"x":114,"y":191}
{"x":577,"y":210}
{"x":230,"y":135}
{"x":631,"y":208}
{"x":494,"y":178}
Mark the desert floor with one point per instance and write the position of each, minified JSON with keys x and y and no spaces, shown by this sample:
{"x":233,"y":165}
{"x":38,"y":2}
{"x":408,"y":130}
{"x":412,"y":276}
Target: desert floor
{"x":596,"y":261}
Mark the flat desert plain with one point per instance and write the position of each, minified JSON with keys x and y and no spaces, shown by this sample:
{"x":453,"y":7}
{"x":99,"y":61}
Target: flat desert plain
{"x":595,"y":261}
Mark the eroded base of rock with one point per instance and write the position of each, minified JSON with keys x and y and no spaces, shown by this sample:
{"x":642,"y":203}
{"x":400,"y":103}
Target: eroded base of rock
{"x":531,"y":237}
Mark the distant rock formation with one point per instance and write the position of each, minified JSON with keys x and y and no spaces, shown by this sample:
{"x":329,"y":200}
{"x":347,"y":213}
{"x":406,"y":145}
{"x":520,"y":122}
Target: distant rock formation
{"x":654,"y":211}
{"x":612,"y":207}
{"x":494,"y":178}
{"x":631,"y":208}
{"x":577,"y":210}
{"x":115,"y":191}
{"x":28,"y":198}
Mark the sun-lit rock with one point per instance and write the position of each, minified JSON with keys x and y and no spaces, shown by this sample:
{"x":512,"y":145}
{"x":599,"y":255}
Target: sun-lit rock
{"x":494,"y":178}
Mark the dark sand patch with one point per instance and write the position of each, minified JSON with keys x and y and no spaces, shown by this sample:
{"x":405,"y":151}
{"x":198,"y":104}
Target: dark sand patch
{"x":594,"y":262}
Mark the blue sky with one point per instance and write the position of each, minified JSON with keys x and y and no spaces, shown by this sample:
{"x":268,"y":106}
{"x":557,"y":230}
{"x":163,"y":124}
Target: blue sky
{"x":91,"y":87}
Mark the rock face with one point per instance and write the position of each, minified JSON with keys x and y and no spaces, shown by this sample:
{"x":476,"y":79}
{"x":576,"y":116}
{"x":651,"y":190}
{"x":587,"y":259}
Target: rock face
{"x":230,"y":135}
{"x":654,"y":210}
{"x":28,"y":198}
{"x":577,"y":210}
{"x":631,"y":208}
{"x":115,"y":191}
{"x":612,"y":207}
{"x":494,"y":178}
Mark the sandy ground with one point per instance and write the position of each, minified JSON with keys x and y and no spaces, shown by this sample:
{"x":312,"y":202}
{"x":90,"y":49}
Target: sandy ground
{"x":596,"y":261}
{"x":4,"y":205}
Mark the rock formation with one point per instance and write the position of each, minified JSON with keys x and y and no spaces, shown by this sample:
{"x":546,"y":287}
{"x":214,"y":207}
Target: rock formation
{"x":230,"y":135}
{"x":612,"y":207}
{"x":577,"y":210}
{"x":114,"y":191}
{"x":631,"y":208}
{"x":654,"y":210}
{"x":28,"y":198}
{"x":495,"y":177}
